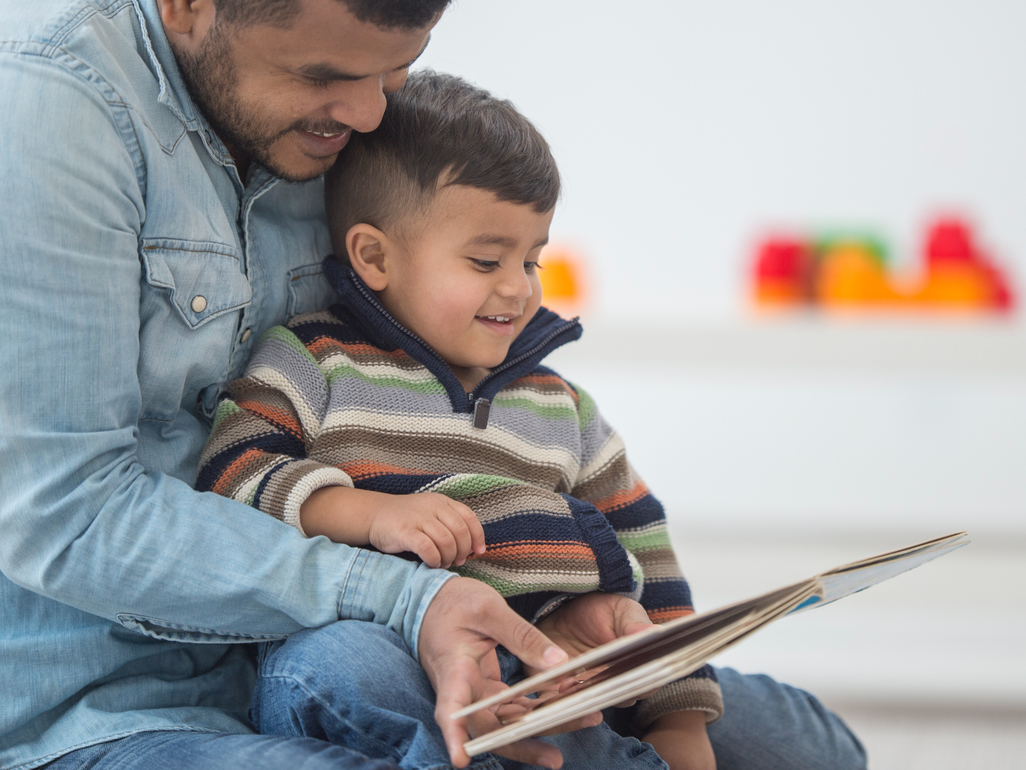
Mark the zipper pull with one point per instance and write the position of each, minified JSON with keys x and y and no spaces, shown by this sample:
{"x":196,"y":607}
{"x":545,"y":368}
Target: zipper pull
{"x":481,"y":409}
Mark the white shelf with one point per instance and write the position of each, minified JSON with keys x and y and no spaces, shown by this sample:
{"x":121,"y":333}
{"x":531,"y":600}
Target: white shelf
{"x":886,"y":344}
{"x":832,"y":425}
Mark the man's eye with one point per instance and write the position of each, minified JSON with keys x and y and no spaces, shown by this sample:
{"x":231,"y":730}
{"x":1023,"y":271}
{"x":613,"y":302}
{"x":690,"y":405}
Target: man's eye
{"x":318,"y":82}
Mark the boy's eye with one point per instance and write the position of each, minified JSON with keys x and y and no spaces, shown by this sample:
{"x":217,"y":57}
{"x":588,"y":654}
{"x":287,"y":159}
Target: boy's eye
{"x":486,"y":264}
{"x":530,"y":267}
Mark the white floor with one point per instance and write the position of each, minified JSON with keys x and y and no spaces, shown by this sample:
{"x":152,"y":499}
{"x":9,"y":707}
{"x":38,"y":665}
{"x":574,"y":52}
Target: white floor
{"x":924,"y":739}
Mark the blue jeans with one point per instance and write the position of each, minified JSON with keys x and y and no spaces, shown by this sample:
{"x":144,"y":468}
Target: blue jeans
{"x":355,"y":684}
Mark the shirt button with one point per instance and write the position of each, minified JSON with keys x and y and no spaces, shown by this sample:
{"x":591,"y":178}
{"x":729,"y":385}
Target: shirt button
{"x":245,"y":334}
{"x":199,"y":303}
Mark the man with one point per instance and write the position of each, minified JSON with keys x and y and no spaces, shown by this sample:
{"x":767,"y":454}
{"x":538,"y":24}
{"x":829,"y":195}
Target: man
{"x":147,"y":239}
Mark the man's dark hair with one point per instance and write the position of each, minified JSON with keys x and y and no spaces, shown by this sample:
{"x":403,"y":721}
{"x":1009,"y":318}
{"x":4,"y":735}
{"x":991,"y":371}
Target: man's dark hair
{"x":387,"y":14}
{"x":438,"y":130}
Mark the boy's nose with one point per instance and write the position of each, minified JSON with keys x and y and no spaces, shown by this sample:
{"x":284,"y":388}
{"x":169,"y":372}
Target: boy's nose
{"x":516,"y":285}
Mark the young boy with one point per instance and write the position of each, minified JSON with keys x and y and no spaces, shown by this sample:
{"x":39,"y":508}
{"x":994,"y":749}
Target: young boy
{"x":416,"y":416}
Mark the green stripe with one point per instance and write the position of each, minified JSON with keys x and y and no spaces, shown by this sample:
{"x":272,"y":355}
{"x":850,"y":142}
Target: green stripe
{"x":546,"y":411}
{"x":647,"y":541}
{"x":468,"y":485}
{"x":226,"y":409}
{"x":429,"y":385}
{"x":508,"y":587}
{"x":586,"y":409}
{"x":286,"y":337}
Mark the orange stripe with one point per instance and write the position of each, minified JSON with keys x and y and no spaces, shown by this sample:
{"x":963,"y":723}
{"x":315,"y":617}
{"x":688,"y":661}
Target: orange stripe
{"x":669,"y":613}
{"x":277,"y":417}
{"x":622,"y":498}
{"x":565,"y":550}
{"x":235,"y":469}
{"x":324,"y":344}
{"x":367,"y":469}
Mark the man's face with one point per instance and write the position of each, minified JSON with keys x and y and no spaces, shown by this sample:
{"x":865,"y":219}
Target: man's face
{"x":289,"y":98}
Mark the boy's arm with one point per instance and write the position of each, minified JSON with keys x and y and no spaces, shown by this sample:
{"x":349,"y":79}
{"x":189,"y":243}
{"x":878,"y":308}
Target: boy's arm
{"x":539,"y":543}
{"x":257,"y":452}
{"x":609,"y":483}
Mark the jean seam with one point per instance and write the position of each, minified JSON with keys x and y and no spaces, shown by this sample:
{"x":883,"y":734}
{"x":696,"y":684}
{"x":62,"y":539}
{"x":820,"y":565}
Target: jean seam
{"x":294,"y":681}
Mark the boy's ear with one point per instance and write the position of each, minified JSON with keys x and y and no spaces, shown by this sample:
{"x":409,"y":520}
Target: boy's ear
{"x":368,"y":250}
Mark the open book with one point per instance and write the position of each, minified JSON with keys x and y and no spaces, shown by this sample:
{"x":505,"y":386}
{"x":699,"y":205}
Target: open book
{"x":632,"y":666}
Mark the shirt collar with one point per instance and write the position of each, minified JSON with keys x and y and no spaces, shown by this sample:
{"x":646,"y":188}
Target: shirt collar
{"x":361,"y":309}
{"x":173,"y":94}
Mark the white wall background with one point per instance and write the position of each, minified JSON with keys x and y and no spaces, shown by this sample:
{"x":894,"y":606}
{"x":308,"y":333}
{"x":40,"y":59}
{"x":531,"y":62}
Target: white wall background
{"x":686,"y":129}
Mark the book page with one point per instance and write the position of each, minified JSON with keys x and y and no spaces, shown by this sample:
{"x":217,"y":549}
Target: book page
{"x":632,"y":666}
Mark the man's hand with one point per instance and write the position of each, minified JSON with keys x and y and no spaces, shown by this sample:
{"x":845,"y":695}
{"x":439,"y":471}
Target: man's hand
{"x":681,"y":741}
{"x":441,"y":531}
{"x":458,"y":636}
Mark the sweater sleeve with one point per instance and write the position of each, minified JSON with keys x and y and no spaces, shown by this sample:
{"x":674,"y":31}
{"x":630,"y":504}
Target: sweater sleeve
{"x":540,"y":543}
{"x":608,"y":482}
{"x":257,"y":452}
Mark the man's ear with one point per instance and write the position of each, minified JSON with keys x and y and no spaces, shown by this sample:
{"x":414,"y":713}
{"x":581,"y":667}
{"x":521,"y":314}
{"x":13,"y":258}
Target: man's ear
{"x":369,"y":252}
{"x":187,"y":18}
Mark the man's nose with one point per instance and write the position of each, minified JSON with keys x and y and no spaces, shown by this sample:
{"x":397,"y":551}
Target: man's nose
{"x":360,"y":106}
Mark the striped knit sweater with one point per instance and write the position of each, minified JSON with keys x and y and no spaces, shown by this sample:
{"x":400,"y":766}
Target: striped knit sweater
{"x":349,"y":397}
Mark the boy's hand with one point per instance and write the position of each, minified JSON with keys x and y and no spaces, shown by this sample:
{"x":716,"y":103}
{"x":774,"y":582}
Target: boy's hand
{"x":592,"y":619}
{"x":681,"y":741}
{"x":441,"y":531}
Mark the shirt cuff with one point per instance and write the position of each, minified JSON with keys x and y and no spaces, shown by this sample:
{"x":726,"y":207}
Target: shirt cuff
{"x":391,"y":591}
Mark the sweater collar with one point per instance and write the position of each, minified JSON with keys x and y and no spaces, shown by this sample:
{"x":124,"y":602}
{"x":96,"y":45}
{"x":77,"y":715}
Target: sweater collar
{"x":361,"y":309}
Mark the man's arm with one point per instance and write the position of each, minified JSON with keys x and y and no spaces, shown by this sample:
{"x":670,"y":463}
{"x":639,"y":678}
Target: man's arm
{"x":85,"y":522}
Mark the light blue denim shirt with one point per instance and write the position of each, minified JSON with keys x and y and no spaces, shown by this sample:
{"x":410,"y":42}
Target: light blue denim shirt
{"x":136,"y":273}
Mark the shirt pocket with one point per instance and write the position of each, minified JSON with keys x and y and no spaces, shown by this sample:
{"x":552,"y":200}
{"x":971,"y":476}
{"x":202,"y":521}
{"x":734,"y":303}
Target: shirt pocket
{"x":308,"y":290}
{"x":192,"y":296}
{"x":205,"y":280}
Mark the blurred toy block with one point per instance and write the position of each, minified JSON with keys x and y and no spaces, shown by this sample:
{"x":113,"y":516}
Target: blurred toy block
{"x":845,"y":272}
{"x":563,"y":280}
{"x":852,"y":274}
{"x":783,"y":272}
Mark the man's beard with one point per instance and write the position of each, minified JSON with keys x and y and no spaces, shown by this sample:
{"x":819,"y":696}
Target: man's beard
{"x":212,"y":81}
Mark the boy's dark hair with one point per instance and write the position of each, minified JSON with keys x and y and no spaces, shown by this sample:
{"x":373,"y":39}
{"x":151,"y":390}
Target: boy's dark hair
{"x":387,"y":14}
{"x":438,"y":130}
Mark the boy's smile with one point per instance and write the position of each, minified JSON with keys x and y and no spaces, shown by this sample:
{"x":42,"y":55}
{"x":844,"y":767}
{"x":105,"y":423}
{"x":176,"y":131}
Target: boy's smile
{"x":462,"y":275}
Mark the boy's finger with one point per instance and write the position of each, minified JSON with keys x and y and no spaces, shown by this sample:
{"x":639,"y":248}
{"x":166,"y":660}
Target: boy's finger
{"x":477,"y":536}
{"x":425,"y":548}
{"x":461,"y":534}
{"x":443,"y":540}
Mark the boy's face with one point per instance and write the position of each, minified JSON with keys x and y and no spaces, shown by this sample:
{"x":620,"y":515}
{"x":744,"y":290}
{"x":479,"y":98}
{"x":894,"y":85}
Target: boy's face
{"x":465,"y":277}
